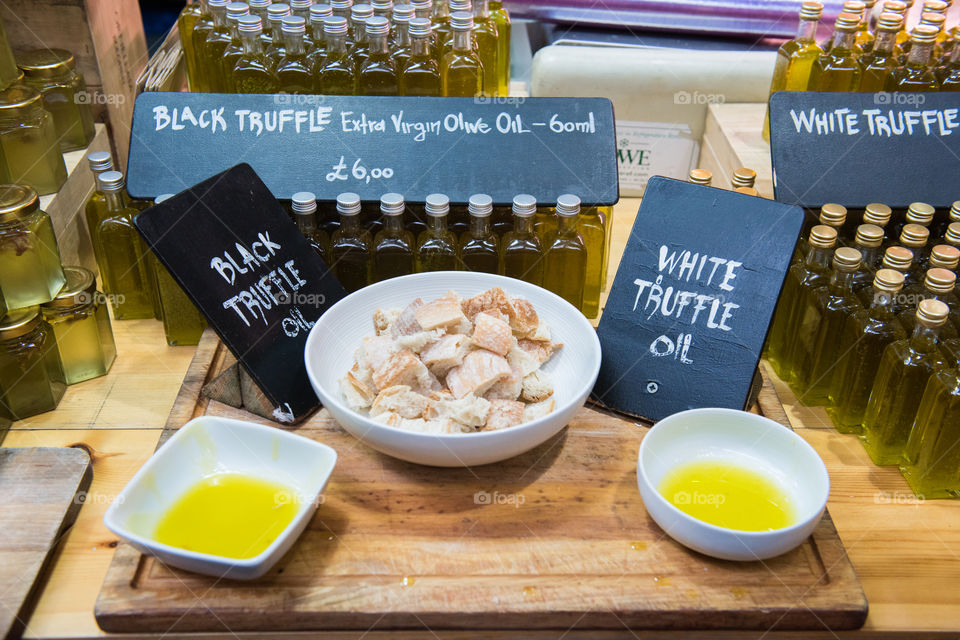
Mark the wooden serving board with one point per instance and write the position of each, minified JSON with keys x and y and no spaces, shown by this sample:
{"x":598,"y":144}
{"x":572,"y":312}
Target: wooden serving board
{"x":554,"y":539}
{"x":42,"y":493}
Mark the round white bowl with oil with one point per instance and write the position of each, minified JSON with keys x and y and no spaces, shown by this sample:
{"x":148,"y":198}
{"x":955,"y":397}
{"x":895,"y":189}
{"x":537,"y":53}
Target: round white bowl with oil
{"x":743,"y":439}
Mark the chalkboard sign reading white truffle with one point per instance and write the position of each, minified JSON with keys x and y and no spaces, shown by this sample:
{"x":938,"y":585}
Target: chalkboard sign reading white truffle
{"x":375,"y":145}
{"x":247,"y":267}
{"x":858,"y":148}
{"x":692,"y":300}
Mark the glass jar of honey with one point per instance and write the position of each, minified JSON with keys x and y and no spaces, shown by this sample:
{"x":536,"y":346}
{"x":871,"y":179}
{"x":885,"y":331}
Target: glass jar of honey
{"x":52,"y":72}
{"x":31,"y":375}
{"x":28,"y":140}
{"x":82,"y":328}
{"x":30,"y":271}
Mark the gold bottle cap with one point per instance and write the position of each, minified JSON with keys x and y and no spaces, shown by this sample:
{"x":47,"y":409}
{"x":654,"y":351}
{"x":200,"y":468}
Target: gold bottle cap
{"x":935,"y":6}
{"x":890,"y":21}
{"x":19,"y":322}
{"x":833,"y":214}
{"x":823,"y":237}
{"x":932,"y":313}
{"x":914,"y":235}
{"x":80,"y":288}
{"x":855,"y":6}
{"x":811,"y":10}
{"x":920,"y":213}
{"x":17,"y":97}
{"x":953,"y":233}
{"x":888,"y":280}
{"x":877,"y":213}
{"x":744,"y":177}
{"x":895,"y":6}
{"x":847,"y":21}
{"x":939,"y":280}
{"x":869,"y":235}
{"x":749,"y":191}
{"x":846,"y":259}
{"x":945,"y":256}
{"x":933,"y":19}
{"x":701,"y":176}
{"x":45,"y":63}
{"x":955,"y":212}
{"x":17,"y":201}
{"x":924,"y":33}
{"x":899,"y":258}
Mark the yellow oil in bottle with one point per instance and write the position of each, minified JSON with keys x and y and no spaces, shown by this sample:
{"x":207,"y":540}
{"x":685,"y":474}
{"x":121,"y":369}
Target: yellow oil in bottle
{"x":274,"y":48}
{"x":336,"y":76}
{"x":501,"y":17}
{"x":565,"y":256}
{"x":359,"y":45}
{"x":938,"y":284}
{"x":522,"y":252}
{"x":304,"y":206}
{"x":421,"y":74}
{"x":931,"y":458}
{"x":228,"y":515}
{"x":905,"y":368}
{"x":916,"y":75}
{"x":234,"y":50}
{"x":591,"y":227}
{"x":795,"y":57}
{"x":198,"y":36}
{"x":461,"y":72}
{"x":729,"y":495}
{"x":378,"y":73}
{"x":28,"y":140}
{"x":436,"y":245}
{"x":399,"y":39}
{"x":865,"y":36}
{"x":869,"y":242}
{"x":882,"y":59}
{"x":487,"y":40}
{"x":393,"y":246}
{"x":213,"y":47}
{"x":838,"y":69}
{"x":96,"y":208}
{"x":252,"y":73}
{"x":351,"y":247}
{"x":294,"y":74}
{"x":183,"y":324}
{"x":8,"y":65}
{"x":479,"y":246}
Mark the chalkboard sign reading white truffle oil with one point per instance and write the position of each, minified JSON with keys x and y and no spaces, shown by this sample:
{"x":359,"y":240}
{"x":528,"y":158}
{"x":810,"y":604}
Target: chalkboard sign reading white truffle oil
{"x":692,"y":300}
{"x":251,"y":272}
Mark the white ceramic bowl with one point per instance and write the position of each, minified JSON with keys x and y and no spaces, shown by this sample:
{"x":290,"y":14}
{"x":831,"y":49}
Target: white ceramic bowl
{"x":208,"y":445}
{"x":727,"y":435}
{"x":336,"y":335}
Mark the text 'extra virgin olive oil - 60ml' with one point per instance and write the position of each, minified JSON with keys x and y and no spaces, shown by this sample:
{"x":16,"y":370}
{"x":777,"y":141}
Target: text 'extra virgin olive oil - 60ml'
{"x":437,"y":245}
{"x":351,"y":247}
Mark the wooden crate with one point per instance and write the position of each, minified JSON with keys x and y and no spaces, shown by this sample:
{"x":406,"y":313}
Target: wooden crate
{"x":107,"y":39}
{"x":402,"y":546}
{"x":732,"y":139}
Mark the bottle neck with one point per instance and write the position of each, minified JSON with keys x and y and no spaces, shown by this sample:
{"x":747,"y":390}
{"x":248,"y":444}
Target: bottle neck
{"x":819,"y":257}
{"x":481,"y":9}
{"x":461,"y":40}
{"x":420,"y":46}
{"x":234,"y":30}
{"x":841,"y":281}
{"x":219,"y":16}
{"x":402,"y":33}
{"x":523,"y":224}
{"x":920,"y":54}
{"x":882,"y":305}
{"x":378,"y":44}
{"x":293,"y":43}
{"x":924,"y":338}
{"x":116,"y":200}
{"x":885,"y":42}
{"x":479,"y":225}
{"x":337,"y":43}
{"x":306,"y":222}
{"x":360,"y":32}
{"x":843,"y":40}
{"x":869,"y":255}
{"x":251,"y":43}
{"x":567,"y":223}
{"x":437,"y":223}
{"x":807,"y":30}
{"x":393,"y":223}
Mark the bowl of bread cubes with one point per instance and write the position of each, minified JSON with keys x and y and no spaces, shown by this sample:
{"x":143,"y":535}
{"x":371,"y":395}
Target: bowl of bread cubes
{"x":452,"y":368}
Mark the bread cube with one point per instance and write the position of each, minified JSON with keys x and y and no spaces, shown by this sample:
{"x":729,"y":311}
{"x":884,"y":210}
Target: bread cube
{"x":480,"y":370}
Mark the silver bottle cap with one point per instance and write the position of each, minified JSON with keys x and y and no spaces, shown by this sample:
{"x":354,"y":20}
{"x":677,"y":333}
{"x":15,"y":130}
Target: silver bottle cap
{"x":420,"y":27}
{"x":437,"y":204}
{"x":335,"y":26}
{"x":460,"y":5}
{"x":348,"y":204}
{"x":392,"y":204}
{"x":110,"y":181}
{"x":217,"y":3}
{"x":237,"y":9}
{"x":361,"y":12}
{"x":461,"y":21}
{"x":382,"y":5}
{"x":258,"y":4}
{"x":249,"y":24}
{"x":320,"y":11}
{"x":341,"y":4}
{"x":480,"y":204}
{"x":524,"y":205}
{"x":303,"y":202}
{"x":100,"y":161}
{"x":278,"y":11}
{"x":300,"y":5}
{"x":293,"y":25}
{"x":568,"y":205}
{"x":378,"y":26}
{"x":403,"y":12}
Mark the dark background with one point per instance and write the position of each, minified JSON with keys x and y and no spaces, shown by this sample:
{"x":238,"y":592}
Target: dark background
{"x":158,"y":17}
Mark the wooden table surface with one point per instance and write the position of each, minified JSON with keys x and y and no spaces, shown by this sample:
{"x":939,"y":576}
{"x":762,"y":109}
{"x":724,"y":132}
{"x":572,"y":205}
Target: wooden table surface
{"x":906,"y":552}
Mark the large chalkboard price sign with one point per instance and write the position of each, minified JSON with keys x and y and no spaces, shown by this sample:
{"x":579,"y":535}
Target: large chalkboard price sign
{"x":248,"y":268}
{"x":374,"y":145}
{"x":858,"y":148}
{"x":692,"y":300}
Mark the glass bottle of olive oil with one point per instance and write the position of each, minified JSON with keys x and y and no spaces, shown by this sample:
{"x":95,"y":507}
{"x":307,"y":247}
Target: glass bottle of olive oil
{"x":565,"y":256}
{"x":882,"y":60}
{"x":422,"y":8}
{"x":260,"y":8}
{"x":838,"y":69}
{"x":304,"y":205}
{"x":383,"y":9}
{"x":878,"y":214}
{"x":869,"y":242}
{"x":522,"y":252}
{"x":186,"y":22}
{"x":437,"y":246}
{"x":796,"y":57}
{"x":486,"y":41}
{"x":832,"y":215}
{"x":461,"y":72}
{"x":96,"y":207}
{"x":919,"y":213}
{"x":916,"y":75}
{"x":440,"y":21}
{"x":211,"y":53}
{"x":864,"y":338}
{"x":948,"y":73}
{"x":121,"y":255}
{"x":937,"y":285}
{"x":940,"y":229}
{"x":235,"y":49}
{"x":273,"y":47}
{"x":393,"y":246}
{"x":315,"y":40}
{"x":915,"y":238}
{"x":359,"y":50}
{"x":501,"y":18}
{"x":252,"y":73}
{"x":859,"y":9}
{"x":294,"y":74}
{"x":421,"y":75}
{"x":341,"y":9}
{"x":952,"y":234}
{"x":336,"y":75}
{"x":700,"y":176}
{"x":905,"y":368}
{"x":378,"y":73}
{"x":399,"y":39}
{"x":591,"y":228}
{"x":300,"y":8}
{"x":802,"y":277}
{"x":351,"y":247}
{"x":866,"y":32}
{"x":932,"y":457}
{"x":819,"y":331}
{"x":896,"y":258}
{"x":198,"y":36}
{"x":545,"y":223}
{"x":479,"y":248}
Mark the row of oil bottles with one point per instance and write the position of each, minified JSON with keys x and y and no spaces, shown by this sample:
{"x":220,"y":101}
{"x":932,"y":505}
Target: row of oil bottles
{"x":425,"y":48}
{"x":563,"y":248}
{"x":869,"y":330}
{"x":871,"y":50}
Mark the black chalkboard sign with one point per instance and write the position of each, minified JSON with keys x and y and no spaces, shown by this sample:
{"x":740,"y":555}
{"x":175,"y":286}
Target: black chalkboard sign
{"x":374,"y":145}
{"x":692,"y":300}
{"x":248,"y":268}
{"x":858,"y":148}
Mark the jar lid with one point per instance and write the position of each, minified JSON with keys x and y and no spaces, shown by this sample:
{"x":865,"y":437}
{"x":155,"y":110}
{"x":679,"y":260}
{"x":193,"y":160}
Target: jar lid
{"x":19,"y":322}
{"x":17,"y":201}
{"x":19,"y":96}
{"x":80,"y":288}
{"x":45,"y":63}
